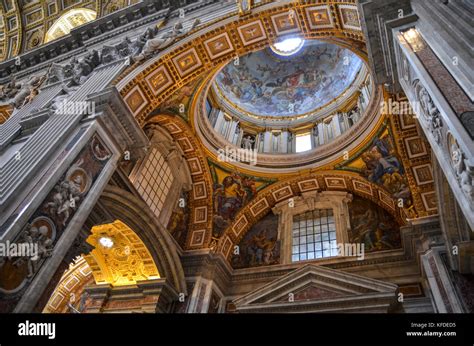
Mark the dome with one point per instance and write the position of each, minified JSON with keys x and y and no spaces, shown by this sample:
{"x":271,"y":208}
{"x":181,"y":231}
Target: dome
{"x":296,"y":103}
{"x":265,"y":84}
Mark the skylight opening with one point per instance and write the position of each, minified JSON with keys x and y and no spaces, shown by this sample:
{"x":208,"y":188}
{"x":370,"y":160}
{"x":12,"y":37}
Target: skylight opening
{"x":288,"y":46}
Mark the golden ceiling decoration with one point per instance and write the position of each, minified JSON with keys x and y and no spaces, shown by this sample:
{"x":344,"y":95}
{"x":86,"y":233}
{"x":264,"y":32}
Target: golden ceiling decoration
{"x":149,"y":87}
{"x":10,"y":26}
{"x":145,"y":87}
{"x":5,"y":112}
{"x":70,"y":287}
{"x":119,"y":257}
{"x":24,"y":24}
{"x":68,"y":21}
{"x":415,"y":153}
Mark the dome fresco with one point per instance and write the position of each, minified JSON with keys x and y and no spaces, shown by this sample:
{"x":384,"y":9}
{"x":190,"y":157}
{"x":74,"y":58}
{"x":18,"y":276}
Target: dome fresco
{"x":268,"y":85}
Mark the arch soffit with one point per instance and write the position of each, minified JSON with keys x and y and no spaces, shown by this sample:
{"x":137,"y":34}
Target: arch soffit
{"x":133,"y":212}
{"x":200,"y":227}
{"x":25,"y":23}
{"x":293,"y":187}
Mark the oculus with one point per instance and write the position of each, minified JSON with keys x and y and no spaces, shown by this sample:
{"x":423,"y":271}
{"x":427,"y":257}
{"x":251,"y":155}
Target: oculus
{"x":288,"y":47}
{"x":106,"y":242}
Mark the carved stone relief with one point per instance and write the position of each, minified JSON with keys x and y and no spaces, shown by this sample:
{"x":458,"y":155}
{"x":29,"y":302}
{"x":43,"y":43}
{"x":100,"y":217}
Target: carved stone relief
{"x":51,"y":219}
{"x":429,"y":111}
{"x":464,"y":172}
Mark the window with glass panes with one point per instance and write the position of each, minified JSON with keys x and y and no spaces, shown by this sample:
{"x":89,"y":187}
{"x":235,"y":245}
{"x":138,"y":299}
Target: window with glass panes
{"x":314,"y":235}
{"x":154,"y":181}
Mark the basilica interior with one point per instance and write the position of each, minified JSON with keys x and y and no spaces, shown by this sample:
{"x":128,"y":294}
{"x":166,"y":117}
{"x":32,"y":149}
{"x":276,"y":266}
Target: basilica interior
{"x":237,"y":156}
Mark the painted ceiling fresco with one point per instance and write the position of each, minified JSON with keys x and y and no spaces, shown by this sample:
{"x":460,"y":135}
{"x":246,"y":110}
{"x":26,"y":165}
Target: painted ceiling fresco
{"x":232,"y":191}
{"x":379,"y":162}
{"x":264,"y":84}
{"x":373,"y":226}
{"x":260,"y":246}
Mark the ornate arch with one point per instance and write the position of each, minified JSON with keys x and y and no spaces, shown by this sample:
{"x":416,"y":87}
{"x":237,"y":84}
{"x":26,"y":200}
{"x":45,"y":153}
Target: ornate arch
{"x":153,"y":252}
{"x":146,"y":86}
{"x":67,"y":22}
{"x":292,"y":187}
{"x":72,"y":283}
{"x":132,"y":211}
{"x":123,"y":259}
{"x":25,"y":23}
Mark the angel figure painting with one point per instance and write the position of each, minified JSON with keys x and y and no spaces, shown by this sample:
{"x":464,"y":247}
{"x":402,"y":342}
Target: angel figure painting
{"x":372,"y":226}
{"x":179,"y":220}
{"x":232,"y":191}
{"x":230,"y":196}
{"x":260,"y":246}
{"x":382,"y":166}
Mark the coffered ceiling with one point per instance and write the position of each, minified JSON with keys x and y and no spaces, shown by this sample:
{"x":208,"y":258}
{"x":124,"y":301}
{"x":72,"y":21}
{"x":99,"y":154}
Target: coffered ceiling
{"x":25,"y":23}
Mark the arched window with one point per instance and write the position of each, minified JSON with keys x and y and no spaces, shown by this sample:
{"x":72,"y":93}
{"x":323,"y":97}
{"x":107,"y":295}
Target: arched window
{"x":68,"y":21}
